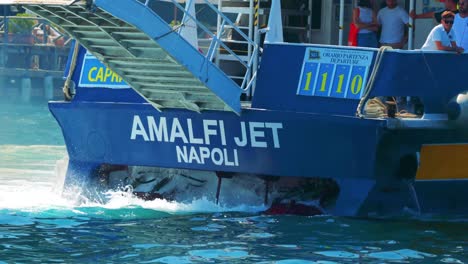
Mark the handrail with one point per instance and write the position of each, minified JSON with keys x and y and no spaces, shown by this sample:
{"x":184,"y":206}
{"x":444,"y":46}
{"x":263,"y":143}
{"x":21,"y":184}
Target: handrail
{"x":217,"y":41}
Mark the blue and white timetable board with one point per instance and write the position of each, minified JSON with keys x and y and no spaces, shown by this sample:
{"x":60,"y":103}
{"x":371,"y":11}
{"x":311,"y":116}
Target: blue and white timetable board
{"x":94,"y":74}
{"x":338,"y":73}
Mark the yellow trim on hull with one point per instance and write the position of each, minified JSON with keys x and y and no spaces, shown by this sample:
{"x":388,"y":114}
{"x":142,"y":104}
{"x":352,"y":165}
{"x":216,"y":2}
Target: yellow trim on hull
{"x":443,"y":162}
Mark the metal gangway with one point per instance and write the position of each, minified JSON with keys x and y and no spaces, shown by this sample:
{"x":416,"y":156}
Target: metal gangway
{"x":153,"y":57}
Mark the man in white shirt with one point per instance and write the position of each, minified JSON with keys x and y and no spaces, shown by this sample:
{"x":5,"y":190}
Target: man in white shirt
{"x":442,"y":36}
{"x":393,"y":20}
{"x":460,"y":26}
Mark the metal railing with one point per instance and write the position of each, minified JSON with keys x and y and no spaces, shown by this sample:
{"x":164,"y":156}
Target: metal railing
{"x":218,"y":43}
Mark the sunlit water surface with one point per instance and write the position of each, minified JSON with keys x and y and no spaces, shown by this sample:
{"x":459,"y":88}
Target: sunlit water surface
{"x":38,"y":225}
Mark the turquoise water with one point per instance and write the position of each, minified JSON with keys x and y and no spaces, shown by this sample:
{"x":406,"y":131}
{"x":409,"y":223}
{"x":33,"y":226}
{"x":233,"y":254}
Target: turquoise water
{"x":39,"y":225}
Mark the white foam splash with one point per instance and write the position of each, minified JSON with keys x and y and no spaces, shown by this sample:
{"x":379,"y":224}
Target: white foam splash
{"x":120,"y":199}
{"x":28,"y":177}
{"x":33,"y":187}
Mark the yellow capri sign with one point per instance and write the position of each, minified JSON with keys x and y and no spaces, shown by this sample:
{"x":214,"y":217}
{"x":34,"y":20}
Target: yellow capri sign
{"x":94,"y":74}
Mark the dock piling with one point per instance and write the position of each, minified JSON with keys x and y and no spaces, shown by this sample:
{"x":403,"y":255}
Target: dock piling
{"x":2,"y":85}
{"x":48,"y":87}
{"x":26,"y":89}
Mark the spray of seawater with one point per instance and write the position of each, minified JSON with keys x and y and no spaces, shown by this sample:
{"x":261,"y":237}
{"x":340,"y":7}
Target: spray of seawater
{"x":33,"y":182}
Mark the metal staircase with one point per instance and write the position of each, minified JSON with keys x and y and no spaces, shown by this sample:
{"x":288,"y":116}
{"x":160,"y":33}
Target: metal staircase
{"x":247,"y":13}
{"x":136,"y":43}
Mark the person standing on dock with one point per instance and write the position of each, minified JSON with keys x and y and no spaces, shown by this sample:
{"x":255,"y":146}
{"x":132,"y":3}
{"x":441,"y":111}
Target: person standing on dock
{"x":460,"y":26}
{"x":393,"y":19}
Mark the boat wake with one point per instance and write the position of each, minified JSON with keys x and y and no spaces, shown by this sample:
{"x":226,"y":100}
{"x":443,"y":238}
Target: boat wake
{"x":32,"y":180}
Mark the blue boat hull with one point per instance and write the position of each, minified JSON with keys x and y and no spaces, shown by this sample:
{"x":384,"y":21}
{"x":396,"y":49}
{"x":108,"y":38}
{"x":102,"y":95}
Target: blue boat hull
{"x":374,"y":166}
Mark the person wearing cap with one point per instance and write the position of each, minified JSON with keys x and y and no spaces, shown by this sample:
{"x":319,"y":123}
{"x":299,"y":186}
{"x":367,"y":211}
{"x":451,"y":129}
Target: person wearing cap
{"x":460,"y":25}
{"x":450,"y":5}
{"x":442,"y":37}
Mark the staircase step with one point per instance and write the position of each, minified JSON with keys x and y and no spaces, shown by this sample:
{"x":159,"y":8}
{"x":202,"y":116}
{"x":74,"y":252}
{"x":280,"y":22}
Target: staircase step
{"x":239,"y":27}
{"x":176,"y":104}
{"x":206,"y":97}
{"x":167,"y":86}
{"x":140,"y":61}
{"x":150,"y":64}
{"x":151,"y":67}
{"x":200,"y":107}
{"x":239,"y":10}
{"x":235,"y":41}
{"x":131,"y":35}
{"x":145,"y":80}
{"x":148,"y":52}
{"x":230,"y":57}
{"x":141,"y":74}
{"x":176,"y":88}
{"x":138,"y":42}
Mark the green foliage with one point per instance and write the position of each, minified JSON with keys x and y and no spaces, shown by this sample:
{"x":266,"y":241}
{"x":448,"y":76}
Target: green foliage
{"x":21,"y":24}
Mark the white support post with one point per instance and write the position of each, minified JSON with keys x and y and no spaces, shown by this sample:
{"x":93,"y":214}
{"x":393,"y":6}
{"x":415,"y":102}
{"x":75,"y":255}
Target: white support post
{"x":188,"y":29}
{"x":411,"y":27}
{"x":340,"y":36}
{"x":257,"y":41}
{"x":218,"y":31}
{"x":275,"y":24}
{"x":309,"y":23}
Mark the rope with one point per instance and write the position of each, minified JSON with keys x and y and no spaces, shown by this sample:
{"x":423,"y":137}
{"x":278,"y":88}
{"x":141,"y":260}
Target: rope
{"x":370,"y":83}
{"x":66,"y":86}
{"x":431,"y":74}
{"x":176,"y":28}
{"x":405,"y":114}
{"x":375,"y":108}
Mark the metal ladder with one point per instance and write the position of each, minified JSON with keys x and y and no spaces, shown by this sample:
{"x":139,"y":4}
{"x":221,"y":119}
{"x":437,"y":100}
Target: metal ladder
{"x":248,"y":14}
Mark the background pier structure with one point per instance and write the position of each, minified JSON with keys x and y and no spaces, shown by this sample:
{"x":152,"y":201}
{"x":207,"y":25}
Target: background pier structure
{"x":33,"y":55}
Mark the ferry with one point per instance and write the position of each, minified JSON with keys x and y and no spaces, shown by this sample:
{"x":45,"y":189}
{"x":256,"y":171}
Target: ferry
{"x":246,"y":110}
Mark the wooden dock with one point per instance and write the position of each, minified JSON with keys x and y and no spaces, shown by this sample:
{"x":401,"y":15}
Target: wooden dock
{"x":33,"y":57}
{"x":39,"y":66}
